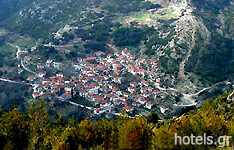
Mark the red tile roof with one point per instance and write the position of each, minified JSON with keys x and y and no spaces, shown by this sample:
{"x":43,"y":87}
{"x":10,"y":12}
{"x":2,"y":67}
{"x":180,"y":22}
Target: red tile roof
{"x":31,"y":77}
{"x":142,"y":71}
{"x":127,"y":107}
{"x":91,"y":58}
{"x":125,"y":51}
{"x":155,"y":91}
{"x":117,"y":71}
{"x":149,"y":102}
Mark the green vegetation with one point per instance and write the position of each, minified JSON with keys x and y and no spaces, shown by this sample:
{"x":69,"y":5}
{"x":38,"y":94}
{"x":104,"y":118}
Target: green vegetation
{"x":167,"y":14}
{"x":38,"y":21}
{"x":97,"y":35}
{"x":50,"y":20}
{"x":8,"y":7}
{"x":213,"y":62}
{"x":3,"y":32}
{"x":131,"y":36}
{"x":163,"y":15}
{"x":142,"y":17}
{"x":7,"y":62}
{"x":36,"y":130}
{"x":169,"y":64}
{"x":11,"y":94}
{"x":25,"y":43}
{"x":155,"y":40}
{"x":101,"y":32}
{"x":7,"y":49}
{"x":208,"y":5}
{"x":126,"y":6}
{"x":49,"y":52}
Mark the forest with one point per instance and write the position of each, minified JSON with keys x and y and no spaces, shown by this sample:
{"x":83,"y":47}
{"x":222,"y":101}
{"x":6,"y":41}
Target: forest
{"x":37,"y":130}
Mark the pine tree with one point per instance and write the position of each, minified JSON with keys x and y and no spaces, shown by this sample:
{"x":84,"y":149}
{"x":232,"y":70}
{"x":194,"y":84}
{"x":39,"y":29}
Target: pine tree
{"x":135,"y":134}
{"x":13,"y":130}
{"x":39,"y":127}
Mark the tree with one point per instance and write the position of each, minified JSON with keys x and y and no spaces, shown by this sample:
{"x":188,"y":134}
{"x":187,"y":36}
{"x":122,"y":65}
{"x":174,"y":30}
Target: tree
{"x":106,"y":134}
{"x":13,"y":131}
{"x":153,"y":117}
{"x":40,"y":129}
{"x":1,"y":73}
{"x":82,"y":135}
{"x":135,"y":134}
{"x":164,"y":137}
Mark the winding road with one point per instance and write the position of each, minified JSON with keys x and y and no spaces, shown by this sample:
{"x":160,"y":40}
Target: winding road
{"x":15,"y":82}
{"x":191,"y":97}
{"x":19,"y":51}
{"x":27,"y":69}
{"x":75,"y":104}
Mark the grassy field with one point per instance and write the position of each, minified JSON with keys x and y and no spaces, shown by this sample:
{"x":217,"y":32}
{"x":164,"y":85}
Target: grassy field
{"x":2,"y":32}
{"x":167,"y":14}
{"x":142,"y":17}
{"x":25,"y":42}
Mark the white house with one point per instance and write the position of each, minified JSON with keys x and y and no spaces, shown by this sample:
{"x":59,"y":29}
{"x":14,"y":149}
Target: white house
{"x":149,"y":104}
{"x":163,"y":109}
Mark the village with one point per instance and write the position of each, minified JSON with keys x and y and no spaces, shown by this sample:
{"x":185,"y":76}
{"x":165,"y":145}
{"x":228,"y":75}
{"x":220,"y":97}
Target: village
{"x":100,"y":80}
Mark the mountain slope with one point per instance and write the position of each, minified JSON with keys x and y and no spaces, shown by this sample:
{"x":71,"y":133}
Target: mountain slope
{"x":202,"y":44}
{"x":214,"y":58}
{"x":7,"y":7}
{"x":40,"y":18}
{"x":192,"y":41}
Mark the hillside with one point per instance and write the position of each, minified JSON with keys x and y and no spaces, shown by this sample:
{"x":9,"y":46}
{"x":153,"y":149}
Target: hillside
{"x":109,"y":55}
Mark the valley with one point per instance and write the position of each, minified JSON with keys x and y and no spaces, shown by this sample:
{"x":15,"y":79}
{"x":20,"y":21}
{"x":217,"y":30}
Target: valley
{"x":70,"y":54}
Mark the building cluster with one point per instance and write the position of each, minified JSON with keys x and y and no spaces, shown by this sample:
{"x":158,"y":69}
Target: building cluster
{"x":103,"y":80}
